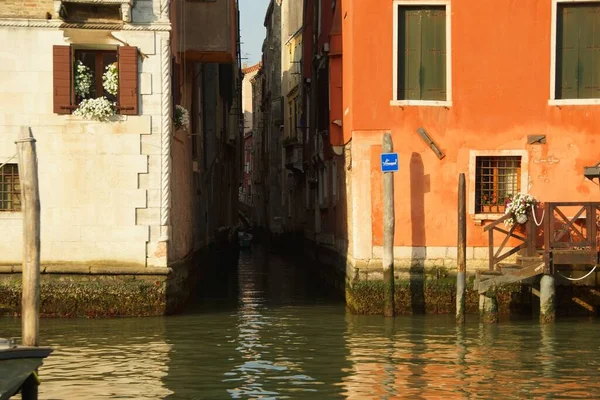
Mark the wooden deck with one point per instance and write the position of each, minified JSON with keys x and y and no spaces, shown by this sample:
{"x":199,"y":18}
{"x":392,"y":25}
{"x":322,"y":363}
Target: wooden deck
{"x":570,"y":241}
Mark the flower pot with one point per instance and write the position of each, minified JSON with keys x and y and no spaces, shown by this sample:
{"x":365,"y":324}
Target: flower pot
{"x":521,"y":218}
{"x":494,"y":209}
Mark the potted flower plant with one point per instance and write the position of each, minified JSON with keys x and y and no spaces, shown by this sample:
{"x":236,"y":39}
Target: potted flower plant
{"x":485,"y":202}
{"x":518,"y":206}
{"x":182,"y":118}
{"x":489,"y":204}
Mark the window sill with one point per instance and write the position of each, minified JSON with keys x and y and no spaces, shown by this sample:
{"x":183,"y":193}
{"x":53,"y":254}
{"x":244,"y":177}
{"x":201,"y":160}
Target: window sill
{"x":11,"y":215}
{"x":421,"y":103}
{"x":573,"y":102}
{"x":114,"y":118}
{"x":479,"y":219}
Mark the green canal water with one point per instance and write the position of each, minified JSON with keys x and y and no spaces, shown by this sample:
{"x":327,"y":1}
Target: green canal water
{"x":267,"y":330}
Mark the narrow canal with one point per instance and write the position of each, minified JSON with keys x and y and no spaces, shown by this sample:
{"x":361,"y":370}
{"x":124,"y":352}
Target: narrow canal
{"x":270,"y":331}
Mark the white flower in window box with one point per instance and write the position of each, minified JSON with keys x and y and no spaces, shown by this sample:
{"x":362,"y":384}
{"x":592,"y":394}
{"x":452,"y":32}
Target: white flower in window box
{"x":182,"y":118}
{"x":83,"y":80}
{"x":100,"y":109}
{"x":110,"y":79}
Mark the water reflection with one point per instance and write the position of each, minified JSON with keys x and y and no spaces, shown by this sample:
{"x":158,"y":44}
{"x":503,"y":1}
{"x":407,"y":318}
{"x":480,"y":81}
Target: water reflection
{"x":101,"y":359}
{"x":282,"y":337}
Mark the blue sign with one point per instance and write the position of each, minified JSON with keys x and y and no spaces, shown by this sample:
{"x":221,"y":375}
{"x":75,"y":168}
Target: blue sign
{"x":389,"y":162}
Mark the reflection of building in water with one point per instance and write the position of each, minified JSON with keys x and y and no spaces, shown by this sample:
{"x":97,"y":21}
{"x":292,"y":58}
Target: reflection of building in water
{"x":270,"y":349}
{"x":109,"y":359}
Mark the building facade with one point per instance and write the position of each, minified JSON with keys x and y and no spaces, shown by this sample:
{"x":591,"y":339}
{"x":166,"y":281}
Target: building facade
{"x":121,"y":186}
{"x":273,"y":121}
{"x":461,"y":90}
{"x":248,"y":139}
{"x":293,"y":182}
{"x":260,"y":159}
{"x":325,"y":223}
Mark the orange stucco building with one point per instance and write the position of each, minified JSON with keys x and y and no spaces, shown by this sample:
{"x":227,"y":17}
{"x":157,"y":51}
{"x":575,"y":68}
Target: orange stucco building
{"x":509,"y":93}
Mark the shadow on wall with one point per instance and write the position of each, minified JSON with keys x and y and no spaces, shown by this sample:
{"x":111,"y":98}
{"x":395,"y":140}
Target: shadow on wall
{"x":418,"y":236}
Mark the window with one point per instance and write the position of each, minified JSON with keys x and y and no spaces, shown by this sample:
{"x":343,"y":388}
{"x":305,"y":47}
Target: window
{"x":10,"y":189}
{"x":422,"y":68}
{"x":497,"y":177}
{"x":576,"y":58}
{"x":65,"y":61}
{"x":97,"y":61}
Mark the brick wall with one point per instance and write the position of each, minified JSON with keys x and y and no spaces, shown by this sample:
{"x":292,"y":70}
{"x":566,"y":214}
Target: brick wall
{"x":25,"y":8}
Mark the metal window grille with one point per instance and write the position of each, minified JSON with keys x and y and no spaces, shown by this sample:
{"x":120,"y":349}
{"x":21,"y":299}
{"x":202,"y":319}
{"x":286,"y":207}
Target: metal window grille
{"x":10,"y":188}
{"x":497,"y":177}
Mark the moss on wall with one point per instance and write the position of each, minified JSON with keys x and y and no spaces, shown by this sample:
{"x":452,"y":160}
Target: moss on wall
{"x":431,"y":296}
{"x":72,"y":297}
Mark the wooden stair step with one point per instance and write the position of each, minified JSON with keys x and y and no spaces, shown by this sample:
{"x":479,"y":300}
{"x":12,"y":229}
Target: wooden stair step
{"x":509,"y":266}
{"x":534,"y":258}
{"x":487,"y":272}
{"x":512,"y":275}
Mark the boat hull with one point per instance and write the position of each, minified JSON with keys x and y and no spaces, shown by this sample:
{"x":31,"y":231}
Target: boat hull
{"x":16,"y":365}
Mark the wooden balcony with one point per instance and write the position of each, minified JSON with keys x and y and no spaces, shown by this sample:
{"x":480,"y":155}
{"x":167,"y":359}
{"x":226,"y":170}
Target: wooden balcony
{"x":568,"y":235}
{"x":205,"y":31}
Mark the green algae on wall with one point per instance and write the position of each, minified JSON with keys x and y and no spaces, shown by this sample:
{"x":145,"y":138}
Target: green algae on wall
{"x":89,"y":298}
{"x":431,"y":296}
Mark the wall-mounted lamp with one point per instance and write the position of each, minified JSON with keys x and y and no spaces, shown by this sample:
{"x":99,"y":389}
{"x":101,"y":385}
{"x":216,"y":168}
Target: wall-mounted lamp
{"x":592,"y":172}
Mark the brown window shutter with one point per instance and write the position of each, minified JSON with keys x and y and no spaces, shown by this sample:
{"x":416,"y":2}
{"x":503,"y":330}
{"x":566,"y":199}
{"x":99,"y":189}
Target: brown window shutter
{"x":62,"y":79}
{"x":128,"y":80}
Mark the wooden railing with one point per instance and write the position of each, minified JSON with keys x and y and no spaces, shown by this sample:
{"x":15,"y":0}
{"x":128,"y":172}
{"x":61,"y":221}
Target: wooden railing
{"x":566,"y":240}
{"x":527,"y":241}
{"x":571,"y":240}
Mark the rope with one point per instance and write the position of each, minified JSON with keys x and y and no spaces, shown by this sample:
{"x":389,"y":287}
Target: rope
{"x":535,"y":219}
{"x":578,"y":279}
{"x":7,"y":161}
{"x":167,"y":125}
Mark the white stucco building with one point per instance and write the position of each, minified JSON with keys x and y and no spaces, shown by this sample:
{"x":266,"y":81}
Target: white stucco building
{"x":117,"y":197}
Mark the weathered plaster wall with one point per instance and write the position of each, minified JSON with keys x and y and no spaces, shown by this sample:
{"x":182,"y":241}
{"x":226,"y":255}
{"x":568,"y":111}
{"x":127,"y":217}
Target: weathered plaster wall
{"x":500,"y":92}
{"x":26,"y":8}
{"x":99,"y":182}
{"x":182,"y":183}
{"x":182,"y":214}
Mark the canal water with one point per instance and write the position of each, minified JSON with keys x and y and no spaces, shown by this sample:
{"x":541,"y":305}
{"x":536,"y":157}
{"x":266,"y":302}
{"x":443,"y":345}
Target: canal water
{"x":269,"y":330}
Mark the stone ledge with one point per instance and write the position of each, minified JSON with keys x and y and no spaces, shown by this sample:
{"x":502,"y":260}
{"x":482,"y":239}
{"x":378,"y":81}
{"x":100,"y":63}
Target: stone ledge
{"x":90,"y":270}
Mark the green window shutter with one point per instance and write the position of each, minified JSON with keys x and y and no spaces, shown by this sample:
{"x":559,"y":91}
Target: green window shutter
{"x":578,"y":51}
{"x":588,"y":52}
{"x":433,"y":55}
{"x":567,"y":49}
{"x":421,"y":53}
{"x":409,"y":52}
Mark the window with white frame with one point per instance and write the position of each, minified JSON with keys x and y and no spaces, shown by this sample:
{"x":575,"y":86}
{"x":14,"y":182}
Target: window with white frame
{"x":422,"y":67}
{"x":575,"y":55}
{"x":494,"y":175}
{"x":496,"y":179}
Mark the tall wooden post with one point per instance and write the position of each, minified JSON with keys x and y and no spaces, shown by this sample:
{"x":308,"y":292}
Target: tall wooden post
{"x":30,"y":204}
{"x":461,"y":256}
{"x":388,"y":233}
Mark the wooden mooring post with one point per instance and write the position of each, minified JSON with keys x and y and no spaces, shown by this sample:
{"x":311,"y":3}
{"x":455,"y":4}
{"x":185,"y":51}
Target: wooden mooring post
{"x":461,"y":256}
{"x":30,"y":204}
{"x":388,"y":233}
